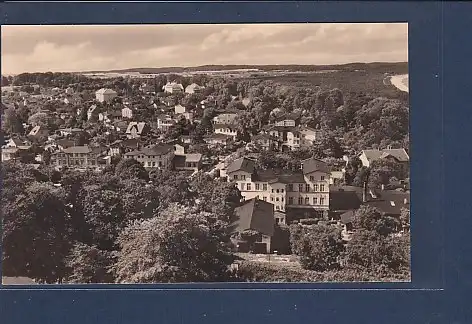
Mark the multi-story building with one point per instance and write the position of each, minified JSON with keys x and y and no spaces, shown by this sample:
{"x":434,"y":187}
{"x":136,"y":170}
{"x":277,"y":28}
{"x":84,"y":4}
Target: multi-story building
{"x":136,"y":129}
{"x":165,"y":122}
{"x":299,"y":194}
{"x":225,"y":118}
{"x":105,"y":95}
{"x":194,"y":88}
{"x":14,"y":148}
{"x":159,"y":156}
{"x":292,"y":137}
{"x":78,"y":157}
{"x":173,"y":87}
{"x":226,"y":129}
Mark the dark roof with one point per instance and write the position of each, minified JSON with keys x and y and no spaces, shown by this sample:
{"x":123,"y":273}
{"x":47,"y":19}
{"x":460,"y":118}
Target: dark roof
{"x":282,"y":176}
{"x":218,"y":136}
{"x":179,"y":160}
{"x":345,"y":198}
{"x":286,"y":116}
{"x":154,"y":150}
{"x":390,"y":201}
{"x":77,"y":149}
{"x":65,"y":142}
{"x":311,"y":165}
{"x":255,"y":215}
{"x":242,"y":164}
{"x":398,"y":154}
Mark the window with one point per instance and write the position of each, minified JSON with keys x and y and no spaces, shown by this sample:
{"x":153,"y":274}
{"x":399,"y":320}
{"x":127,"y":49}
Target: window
{"x":264,"y":187}
{"x":282,"y":199}
{"x":315,"y":187}
{"x":248,"y":186}
{"x":322,"y":187}
{"x":235,"y":177}
{"x":307,"y":187}
{"x":290,"y":200}
{"x":277,"y":208}
{"x":281,"y":190}
{"x":257,"y":197}
{"x":290,"y":187}
{"x":258,"y":186}
{"x":322,"y":201}
{"x":307,"y":201}
{"x":322,"y":178}
{"x":312,"y":178}
{"x":300,"y":187}
{"x":272,"y":190}
{"x":277,"y":220}
{"x":243,"y":177}
{"x":242,"y":186}
{"x":271,"y":198}
{"x":277,"y":190}
{"x":264,"y":198}
{"x":300,"y":200}
{"x":315,"y":201}
{"x":276,"y":198}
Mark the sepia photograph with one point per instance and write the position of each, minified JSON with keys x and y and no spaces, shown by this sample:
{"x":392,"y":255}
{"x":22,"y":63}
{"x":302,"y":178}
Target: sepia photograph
{"x":199,"y":153}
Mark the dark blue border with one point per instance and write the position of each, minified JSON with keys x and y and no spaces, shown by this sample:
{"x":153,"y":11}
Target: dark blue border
{"x":440,"y":170}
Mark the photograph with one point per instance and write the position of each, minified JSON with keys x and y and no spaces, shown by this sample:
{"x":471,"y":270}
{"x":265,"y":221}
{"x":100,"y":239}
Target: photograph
{"x":205,"y":153}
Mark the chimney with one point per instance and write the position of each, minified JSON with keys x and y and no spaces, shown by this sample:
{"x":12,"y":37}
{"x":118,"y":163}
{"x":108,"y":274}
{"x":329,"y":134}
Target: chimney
{"x":383,"y":187}
{"x":405,"y":201}
{"x":364,"y":192}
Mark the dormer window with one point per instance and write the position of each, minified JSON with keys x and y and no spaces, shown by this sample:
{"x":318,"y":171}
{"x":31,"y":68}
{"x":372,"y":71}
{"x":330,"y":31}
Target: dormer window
{"x":392,"y":203}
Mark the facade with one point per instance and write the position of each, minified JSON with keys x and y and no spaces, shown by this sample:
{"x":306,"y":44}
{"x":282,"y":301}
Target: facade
{"x":78,"y":157}
{"x":398,"y":155}
{"x":179,"y":109}
{"x":226,"y":129}
{"x":186,"y":161}
{"x":173,"y":87}
{"x":14,"y":148}
{"x":93,"y":110}
{"x":292,"y":137}
{"x":156,"y":157}
{"x":226,"y":118}
{"x":164,"y":123}
{"x":306,"y":190}
{"x":127,"y":113}
{"x":105,"y":95}
{"x":218,"y":139}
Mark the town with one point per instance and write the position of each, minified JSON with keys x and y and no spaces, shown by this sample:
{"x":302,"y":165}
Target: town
{"x":234,"y":176}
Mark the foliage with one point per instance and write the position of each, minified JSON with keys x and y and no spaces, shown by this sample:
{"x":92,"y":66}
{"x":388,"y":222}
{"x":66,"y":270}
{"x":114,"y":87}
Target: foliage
{"x":180,"y":245}
{"x":318,"y":246}
{"x":251,"y":237}
{"x":88,"y":264}
{"x":371,"y":219}
{"x":11,"y":123}
{"x":131,"y":169}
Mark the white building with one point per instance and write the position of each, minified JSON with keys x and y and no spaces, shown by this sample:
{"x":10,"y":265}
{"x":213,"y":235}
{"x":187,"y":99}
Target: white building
{"x":157,"y":157}
{"x":173,"y":87}
{"x":105,"y":95}
{"x":226,"y":130}
{"x":194,"y":88}
{"x":127,"y":113}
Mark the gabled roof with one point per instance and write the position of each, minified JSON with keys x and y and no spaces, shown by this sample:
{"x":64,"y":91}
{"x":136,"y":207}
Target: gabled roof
{"x":390,"y":201}
{"x":255,"y":215}
{"x":311,"y":165}
{"x":193,"y":157}
{"x":34,"y":131}
{"x":138,"y":126}
{"x":398,"y":154}
{"x":65,"y":143}
{"x":242,"y":164}
{"x":105,"y":91}
{"x":78,"y":149}
{"x":158,"y":149}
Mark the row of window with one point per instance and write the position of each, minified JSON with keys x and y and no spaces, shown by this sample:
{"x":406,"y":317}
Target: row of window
{"x":301,"y":188}
{"x":153,"y":164}
{"x":300,"y":201}
{"x":75,"y":162}
{"x":290,"y":185}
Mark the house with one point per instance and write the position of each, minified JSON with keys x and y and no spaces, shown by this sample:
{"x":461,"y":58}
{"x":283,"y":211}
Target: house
{"x":70,"y":131}
{"x":108,"y":117}
{"x":173,"y":87}
{"x":258,"y":216}
{"x":156,"y":157}
{"x":291,"y":137}
{"x":186,"y":161}
{"x":79,"y":157}
{"x":64,"y":143}
{"x":194,"y":88}
{"x":226,"y":129}
{"x":287,"y":119}
{"x":93,"y":110}
{"x":127,"y":113}
{"x":186,"y":139}
{"x":38,"y":132}
{"x":137,"y":129}
{"x":225,"y":118}
{"x":105,"y":95}
{"x":302,"y":194}
{"x":265,"y":141}
{"x":179,"y":109}
{"x":217,"y":139}
{"x":397,"y":155}
{"x":308,"y":136}
{"x":14,"y":148}
{"x":164,"y":122}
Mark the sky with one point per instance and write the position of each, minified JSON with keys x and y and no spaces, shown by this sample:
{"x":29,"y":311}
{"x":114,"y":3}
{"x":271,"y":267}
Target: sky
{"x":74,"y":48}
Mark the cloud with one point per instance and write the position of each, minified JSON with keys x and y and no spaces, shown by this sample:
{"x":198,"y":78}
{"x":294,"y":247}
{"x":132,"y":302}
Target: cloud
{"x":103,"y":47}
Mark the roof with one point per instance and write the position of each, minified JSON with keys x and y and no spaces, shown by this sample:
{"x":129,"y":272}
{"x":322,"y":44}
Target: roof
{"x":194,"y":86}
{"x":77,"y":149}
{"x":193,"y":157}
{"x":311,"y":165}
{"x":278,"y":176}
{"x":255,"y":215}
{"x":217,"y":136}
{"x":399,"y":154}
{"x":158,"y":149}
{"x":35,"y":130}
{"x":390,"y":201}
{"x":288,"y":116}
{"x":242,"y":164}
{"x":348,"y":217}
{"x":218,"y":125}
{"x":65,"y":143}
{"x":179,"y":160}
{"x":345,"y":198}
{"x":105,"y":91}
{"x":138,"y":126}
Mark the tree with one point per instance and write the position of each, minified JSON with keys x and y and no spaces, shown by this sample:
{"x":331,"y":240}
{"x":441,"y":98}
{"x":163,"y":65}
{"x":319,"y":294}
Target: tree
{"x":11,"y":123}
{"x":371,"y":219}
{"x":382,"y":170}
{"x":405,"y":218}
{"x":35,"y":234}
{"x":251,"y":237}
{"x":131,"y":169}
{"x":180,"y":245}
{"x":88,"y":264}
{"x":224,"y":199}
{"x":318,"y":246}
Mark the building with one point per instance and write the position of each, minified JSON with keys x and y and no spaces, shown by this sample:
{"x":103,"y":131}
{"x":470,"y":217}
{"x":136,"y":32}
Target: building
{"x":291,"y":137}
{"x":105,"y":95}
{"x":137,"y":129}
{"x":173,"y":87}
{"x":265,"y":141}
{"x":397,"y":155}
{"x":226,"y":129}
{"x":290,"y":120}
{"x":156,"y":157}
{"x":165,"y":122}
{"x":186,"y":161}
{"x":194,"y":88}
{"x":70,"y":131}
{"x":38,"y":132}
{"x":93,"y":110}
{"x":179,"y":109}
{"x":127,"y":113}
{"x":79,"y":157}
{"x":255,"y":215}
{"x":14,"y":148}
{"x":225,"y":118}
{"x":69,"y":90}
{"x":302,"y":194}
{"x":217,"y":139}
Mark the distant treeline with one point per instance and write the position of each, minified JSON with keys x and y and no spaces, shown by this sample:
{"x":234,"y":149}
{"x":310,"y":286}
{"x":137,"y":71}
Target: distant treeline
{"x":395,"y":68}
